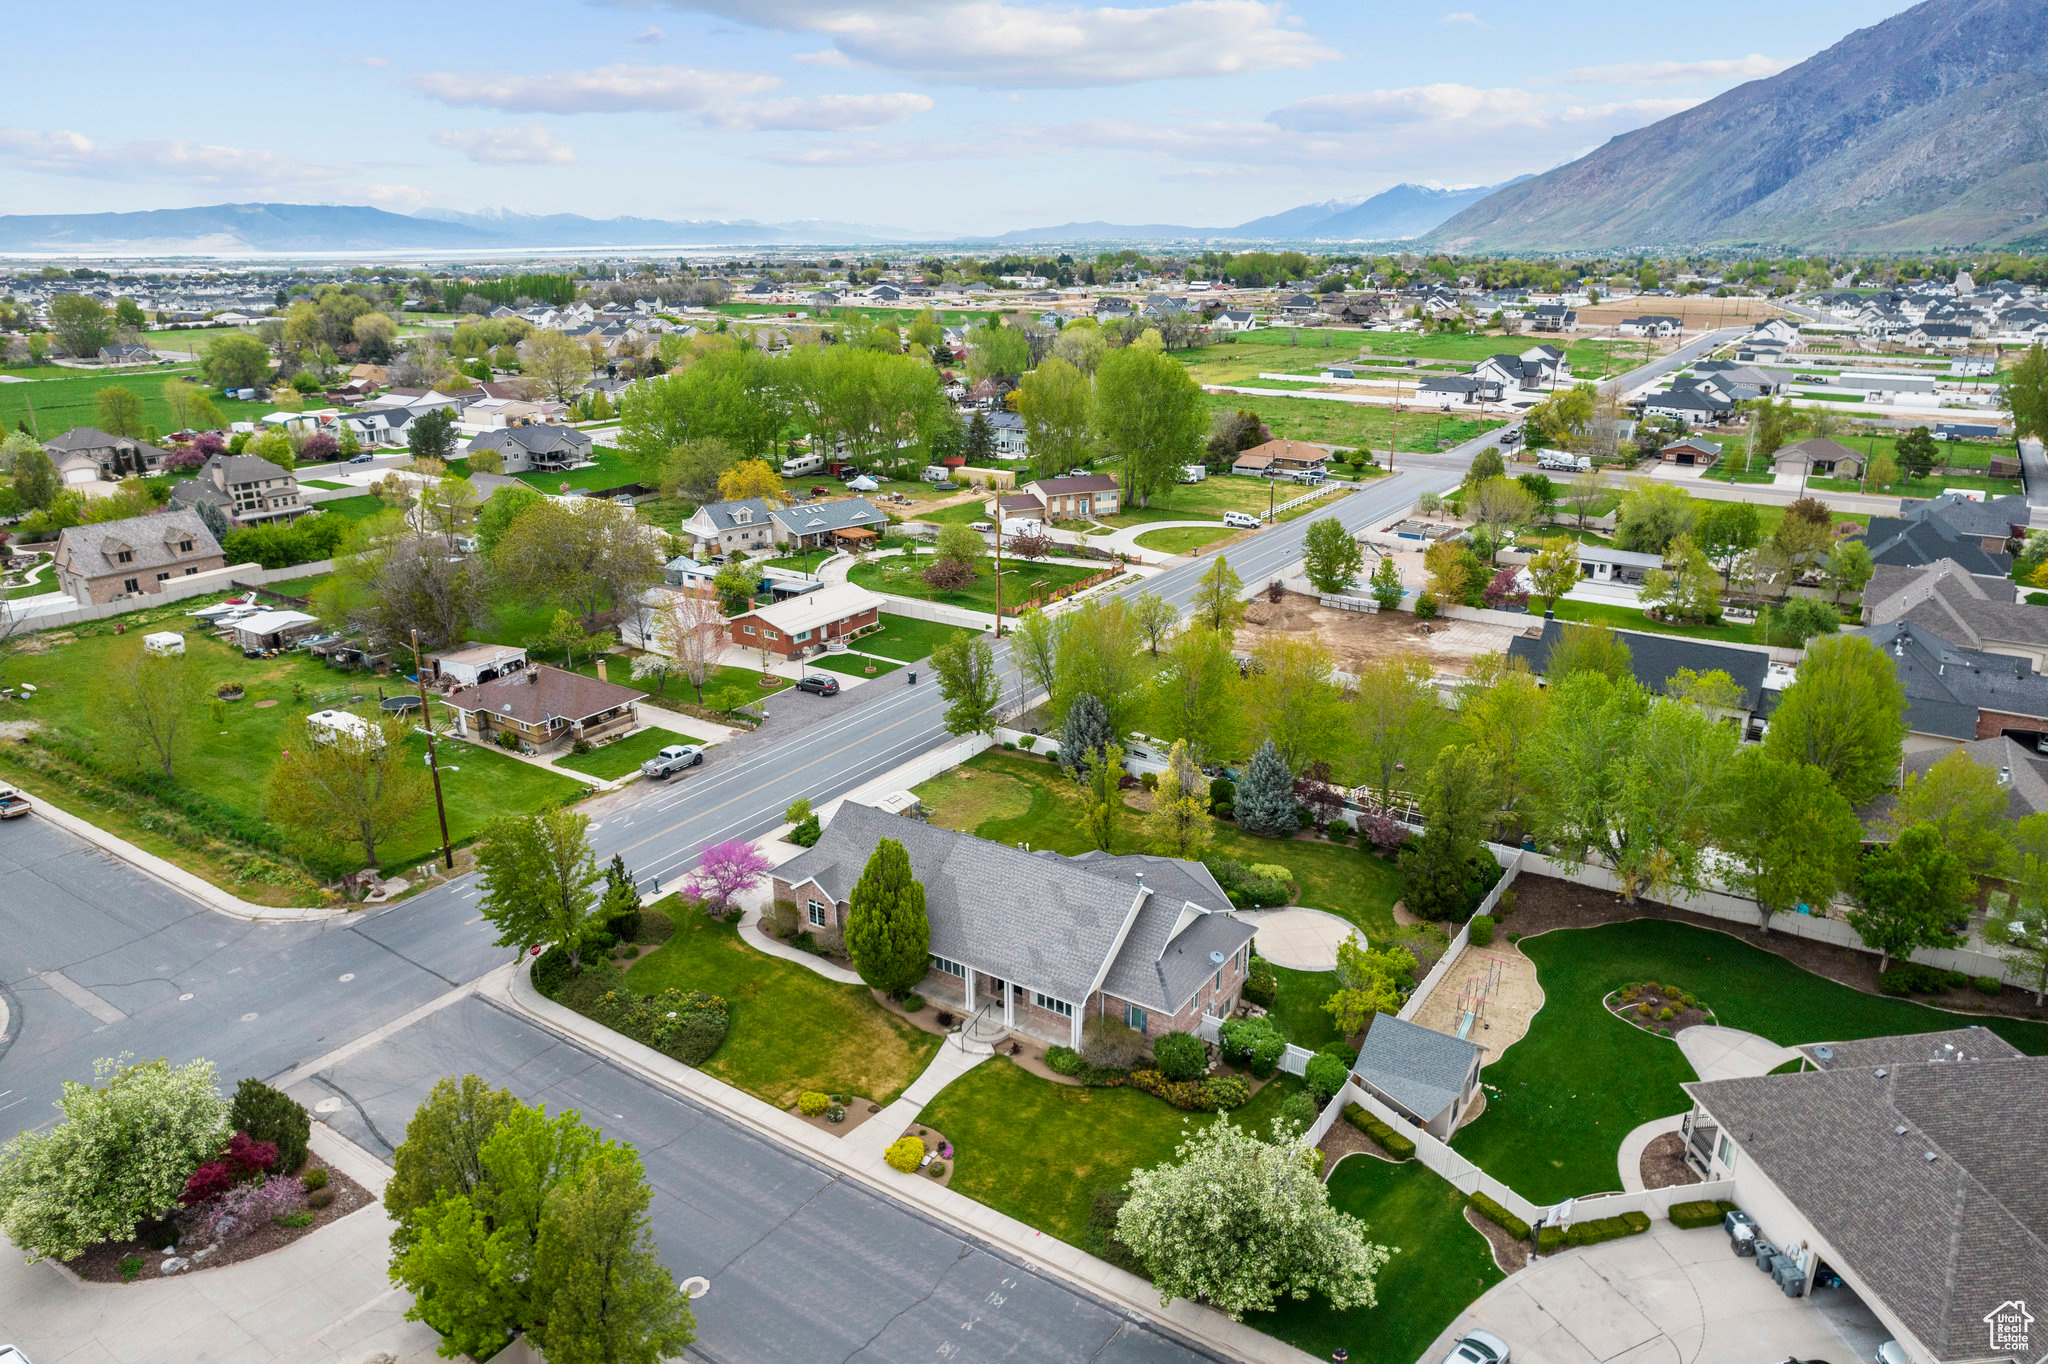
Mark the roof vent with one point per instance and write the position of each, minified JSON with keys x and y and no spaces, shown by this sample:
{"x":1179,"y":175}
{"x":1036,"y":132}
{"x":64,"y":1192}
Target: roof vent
{"x":1930,"y":1157}
{"x":1880,"y":1072}
{"x":1899,"y":1131}
{"x":1823,"y":1053}
{"x":1215,"y":958}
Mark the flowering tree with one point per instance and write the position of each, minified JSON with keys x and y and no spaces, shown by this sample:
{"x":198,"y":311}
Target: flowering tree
{"x":1241,"y":1223}
{"x":727,"y":871}
{"x":123,"y":1153}
{"x":1504,"y":591}
{"x":318,"y":447}
{"x":248,"y":1208}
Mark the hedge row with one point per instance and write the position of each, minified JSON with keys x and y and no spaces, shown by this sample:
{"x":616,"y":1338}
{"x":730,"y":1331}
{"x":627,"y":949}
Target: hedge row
{"x":1213,"y":1094}
{"x":1705,"y":1213}
{"x":1499,"y":1216}
{"x":1592,"y":1232}
{"x":1392,"y":1142}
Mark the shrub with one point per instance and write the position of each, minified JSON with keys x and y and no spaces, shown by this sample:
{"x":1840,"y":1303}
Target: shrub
{"x":1425,"y":606}
{"x":508,"y":739}
{"x":1549,"y":1239}
{"x":315,"y":1178}
{"x":1214,"y":1094}
{"x":1028,"y":742}
{"x":272,"y":1116}
{"x":1986,"y":985}
{"x":836,"y":1113}
{"x":1666,"y":1014}
{"x":1254,"y":1043}
{"x":655,"y":927}
{"x":247,"y":1207}
{"x":1911,"y":978}
{"x":1180,"y":1056}
{"x":1499,"y":1216}
{"x":1693,"y":1215}
{"x":1325,"y":1074}
{"x":1261,"y":986}
{"x":550,"y":971}
{"x":1009,"y":747}
{"x":1111,"y":1044}
{"x":1481,"y":932}
{"x":1688,"y":1001}
{"x":320,"y":1198}
{"x":1150,"y":781}
{"x":1226,"y":810}
{"x":913,"y":1003}
{"x":1064,"y":1061}
{"x":1298,"y":1111}
{"x":811,"y":1103}
{"x":905,"y":1153}
{"x":1222,"y":791}
{"x":1390,"y":1141}
{"x":937,"y":1169}
{"x":295,"y":1219}
{"x":1101,"y":1240}
{"x":131,"y":1267}
{"x":806,"y":833}
{"x":1595,"y":1230}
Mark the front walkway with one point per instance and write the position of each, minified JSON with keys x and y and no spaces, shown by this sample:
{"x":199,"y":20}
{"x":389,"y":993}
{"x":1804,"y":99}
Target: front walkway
{"x":325,"y":1299}
{"x":1635,"y":1143}
{"x":1664,"y":1297}
{"x":1717,"y":1053}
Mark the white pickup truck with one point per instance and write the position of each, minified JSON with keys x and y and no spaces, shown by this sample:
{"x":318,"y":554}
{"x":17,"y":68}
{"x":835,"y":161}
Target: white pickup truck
{"x":671,"y":760}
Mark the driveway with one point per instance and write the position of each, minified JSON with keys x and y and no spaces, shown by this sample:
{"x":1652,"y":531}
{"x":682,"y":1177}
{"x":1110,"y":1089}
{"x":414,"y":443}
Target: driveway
{"x":1664,"y":1297}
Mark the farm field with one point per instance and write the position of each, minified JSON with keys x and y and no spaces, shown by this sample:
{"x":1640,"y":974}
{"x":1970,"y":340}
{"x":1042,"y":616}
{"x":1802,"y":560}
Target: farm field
{"x":70,"y":398}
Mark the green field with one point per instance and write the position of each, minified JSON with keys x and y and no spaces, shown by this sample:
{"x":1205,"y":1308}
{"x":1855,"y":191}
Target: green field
{"x":1627,"y":618}
{"x":611,"y":469}
{"x":1354,"y":426}
{"x":1207,"y":500}
{"x":902,"y":577}
{"x":1183,"y":539}
{"x":64,"y":399}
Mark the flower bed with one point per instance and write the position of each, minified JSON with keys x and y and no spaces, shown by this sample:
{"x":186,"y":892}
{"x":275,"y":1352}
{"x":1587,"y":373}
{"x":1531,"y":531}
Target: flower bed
{"x":1658,"y":1008}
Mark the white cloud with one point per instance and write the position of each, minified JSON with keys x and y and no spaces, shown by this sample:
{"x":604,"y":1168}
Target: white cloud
{"x":527,"y":144}
{"x":609,"y":89}
{"x":831,"y":56}
{"x":1005,"y":45}
{"x":825,"y":113}
{"x":1640,"y":110}
{"x":1421,"y":104}
{"x":836,"y":154}
{"x":1753,"y":67}
{"x":1466,"y":16}
{"x":376,"y":63}
{"x":158,"y":161}
{"x":649,"y":36}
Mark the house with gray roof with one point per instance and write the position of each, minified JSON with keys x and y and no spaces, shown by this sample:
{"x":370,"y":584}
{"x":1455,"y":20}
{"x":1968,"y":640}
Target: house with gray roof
{"x":1979,"y":613}
{"x":112,"y":560}
{"x":246,"y":488}
{"x":116,"y":456}
{"x":542,"y":446}
{"x":1907,"y":1165}
{"x":1955,"y":694}
{"x":1656,"y":659}
{"x":1035,"y":942}
{"x":751,"y":525}
{"x":1977,"y":535}
{"x":1431,"y":1076}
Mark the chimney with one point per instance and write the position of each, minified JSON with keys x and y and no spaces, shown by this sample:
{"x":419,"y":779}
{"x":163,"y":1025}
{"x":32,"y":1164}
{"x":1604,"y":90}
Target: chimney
{"x":533,"y":677}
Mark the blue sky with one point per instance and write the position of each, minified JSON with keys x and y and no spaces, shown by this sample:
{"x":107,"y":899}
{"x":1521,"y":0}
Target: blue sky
{"x":932,"y":115}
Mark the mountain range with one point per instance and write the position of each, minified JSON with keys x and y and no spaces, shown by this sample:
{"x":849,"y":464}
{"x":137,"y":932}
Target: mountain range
{"x":230,"y":229}
{"x":1927,"y":130}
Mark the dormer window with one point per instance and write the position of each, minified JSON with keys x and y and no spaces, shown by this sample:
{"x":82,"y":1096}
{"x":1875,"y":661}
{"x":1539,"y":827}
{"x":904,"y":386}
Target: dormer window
{"x":124,"y":556}
{"x":743,"y":517}
{"x":184,"y":546}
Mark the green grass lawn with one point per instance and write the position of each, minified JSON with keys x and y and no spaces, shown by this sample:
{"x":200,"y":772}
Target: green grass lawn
{"x":1627,"y":618}
{"x":1582,"y":1079}
{"x":791,"y":1029}
{"x":621,"y":756}
{"x":903,"y":577}
{"x":961,"y":514}
{"x":323,"y":485}
{"x":612,"y":469}
{"x":1355,"y":425}
{"x":231,"y":758}
{"x":1040,"y":1152}
{"x":1207,"y":500}
{"x":1183,"y":539}
{"x":1440,"y":1266}
{"x":906,"y":639}
{"x":1298,"y":1007}
{"x":1011,"y":798}
{"x":59,"y":399}
{"x":853,"y":665}
{"x":354,"y":508}
{"x":1934,"y":485}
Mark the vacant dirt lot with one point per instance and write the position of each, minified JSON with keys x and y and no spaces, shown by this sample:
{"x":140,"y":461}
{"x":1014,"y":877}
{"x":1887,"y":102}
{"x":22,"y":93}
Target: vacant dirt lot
{"x":1358,"y":639}
{"x":1696,"y":312}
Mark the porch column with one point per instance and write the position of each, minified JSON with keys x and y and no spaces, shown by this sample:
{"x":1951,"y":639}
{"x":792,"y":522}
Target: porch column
{"x":971,"y":973}
{"x":1074,"y":1030}
{"x":1009,"y":1003}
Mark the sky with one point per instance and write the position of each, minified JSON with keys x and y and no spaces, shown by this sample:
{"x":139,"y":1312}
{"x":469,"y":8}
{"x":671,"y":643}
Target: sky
{"x":932,"y":116}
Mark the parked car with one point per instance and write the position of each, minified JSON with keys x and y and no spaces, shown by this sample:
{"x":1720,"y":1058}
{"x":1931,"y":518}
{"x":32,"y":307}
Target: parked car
{"x":818,"y":684}
{"x":671,"y":760}
{"x":1511,"y":436}
{"x":13,"y":805}
{"x":364,"y":458}
{"x":1238,"y":520}
{"x":1478,"y":1347}
{"x":10,"y":1355}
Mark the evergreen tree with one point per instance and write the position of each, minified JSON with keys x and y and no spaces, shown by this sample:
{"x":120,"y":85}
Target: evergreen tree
{"x":1265,"y":798}
{"x":980,"y":446}
{"x":887,"y":934}
{"x":1086,"y":731}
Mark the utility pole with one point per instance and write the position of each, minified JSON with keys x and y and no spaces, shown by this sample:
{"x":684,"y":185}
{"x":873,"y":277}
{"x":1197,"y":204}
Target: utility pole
{"x":419,"y":676}
{"x":998,"y":490}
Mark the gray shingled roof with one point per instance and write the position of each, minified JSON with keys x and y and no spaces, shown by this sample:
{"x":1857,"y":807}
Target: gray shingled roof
{"x":2021,"y":771}
{"x":541,"y":439}
{"x":1976,"y":1043}
{"x":150,"y":537}
{"x":1943,"y":1241}
{"x":1044,"y":923}
{"x":815,"y":517}
{"x":1165,"y":956}
{"x":1419,"y":1068}
{"x":1655,"y":659}
{"x":1954,"y":603}
{"x":1947,"y":685}
{"x":1928,"y":537}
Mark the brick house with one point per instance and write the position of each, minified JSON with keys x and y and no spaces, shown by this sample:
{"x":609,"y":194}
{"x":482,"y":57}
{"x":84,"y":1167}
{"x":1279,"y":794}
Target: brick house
{"x":546,"y":707}
{"x":804,"y":624}
{"x":1037,"y":942}
{"x":116,"y":456}
{"x":247,"y":488}
{"x":1076,"y":495}
{"x":135,"y":556}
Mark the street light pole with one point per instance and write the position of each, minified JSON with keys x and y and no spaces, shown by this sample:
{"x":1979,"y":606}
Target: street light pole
{"x":419,"y":676}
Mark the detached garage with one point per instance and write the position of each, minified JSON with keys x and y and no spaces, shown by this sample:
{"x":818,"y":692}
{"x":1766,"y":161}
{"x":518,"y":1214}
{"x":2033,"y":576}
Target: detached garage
{"x":1914,"y":1167}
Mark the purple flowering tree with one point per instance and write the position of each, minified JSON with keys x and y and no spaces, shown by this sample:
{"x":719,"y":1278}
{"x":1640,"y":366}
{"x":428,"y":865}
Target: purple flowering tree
{"x":725,"y":871}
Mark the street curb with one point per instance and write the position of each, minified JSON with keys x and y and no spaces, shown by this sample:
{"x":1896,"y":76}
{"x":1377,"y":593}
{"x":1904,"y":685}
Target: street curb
{"x":177,"y":878}
{"x":1123,"y":1291}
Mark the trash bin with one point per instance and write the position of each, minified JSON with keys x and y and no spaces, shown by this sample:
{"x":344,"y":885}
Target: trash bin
{"x":1765,"y":1253}
{"x":1742,"y":1238}
{"x":913,"y":679}
{"x":1736,"y":1217}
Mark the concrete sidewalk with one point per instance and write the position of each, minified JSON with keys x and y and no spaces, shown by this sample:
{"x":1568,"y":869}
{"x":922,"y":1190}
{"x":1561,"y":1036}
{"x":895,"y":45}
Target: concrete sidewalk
{"x":324,"y":1299}
{"x":1126,"y":1292}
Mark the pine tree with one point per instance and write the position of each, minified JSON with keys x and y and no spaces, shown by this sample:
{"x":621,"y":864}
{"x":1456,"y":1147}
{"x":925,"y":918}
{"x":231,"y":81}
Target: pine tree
{"x":1087,"y":729}
{"x":1265,"y":798}
{"x":887,"y":934}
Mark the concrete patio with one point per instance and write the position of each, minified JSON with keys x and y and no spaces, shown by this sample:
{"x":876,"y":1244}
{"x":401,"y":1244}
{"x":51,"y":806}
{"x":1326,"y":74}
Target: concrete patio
{"x":1298,"y":939}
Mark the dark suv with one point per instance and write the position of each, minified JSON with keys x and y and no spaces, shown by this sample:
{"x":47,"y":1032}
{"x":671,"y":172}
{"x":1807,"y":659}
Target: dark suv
{"x":821,"y":686}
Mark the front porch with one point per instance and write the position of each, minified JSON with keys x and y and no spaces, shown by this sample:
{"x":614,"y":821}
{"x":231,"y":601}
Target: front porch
{"x":994,"y":1007}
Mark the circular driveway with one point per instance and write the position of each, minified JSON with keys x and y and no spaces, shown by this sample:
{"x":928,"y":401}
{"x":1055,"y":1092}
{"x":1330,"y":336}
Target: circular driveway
{"x":1298,"y":939}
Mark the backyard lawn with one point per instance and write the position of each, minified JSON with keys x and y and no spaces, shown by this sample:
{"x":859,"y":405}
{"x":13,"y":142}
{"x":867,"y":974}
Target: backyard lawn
{"x":791,"y":1029}
{"x":907,"y":639}
{"x":621,"y":756}
{"x":612,"y":469}
{"x":1441,"y":1264}
{"x":1628,"y":618}
{"x":903,"y":577}
{"x":1298,"y":1007}
{"x":354,"y":508}
{"x":59,"y":399}
{"x":232,"y":755}
{"x":1040,"y":1152}
{"x":1582,"y":1079}
{"x":1010,"y":798}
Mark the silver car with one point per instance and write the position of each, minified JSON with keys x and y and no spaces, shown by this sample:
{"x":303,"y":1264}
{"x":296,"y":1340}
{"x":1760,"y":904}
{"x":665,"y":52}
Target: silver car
{"x":1478,"y":1347}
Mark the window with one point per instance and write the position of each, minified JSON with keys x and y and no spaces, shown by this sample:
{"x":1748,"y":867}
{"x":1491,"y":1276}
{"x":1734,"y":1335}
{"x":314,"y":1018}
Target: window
{"x":750,"y":629}
{"x":1058,"y":1006}
{"x":1134,"y":1016}
{"x":769,"y":634}
{"x":130,"y":585}
{"x":801,"y":636}
{"x":190,"y":571}
{"x":162,"y":577}
{"x":951,"y":968}
{"x":1219,"y":980}
{"x":124,"y":556}
{"x":816,"y":912}
{"x":1727,"y":1152}
{"x":184,"y":546}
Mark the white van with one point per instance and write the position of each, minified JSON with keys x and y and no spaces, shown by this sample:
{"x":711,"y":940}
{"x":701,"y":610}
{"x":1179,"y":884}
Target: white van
{"x":801,"y":465}
{"x":1238,"y":520}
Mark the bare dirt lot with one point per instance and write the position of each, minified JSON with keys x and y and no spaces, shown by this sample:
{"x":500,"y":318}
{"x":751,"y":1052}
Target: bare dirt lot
{"x":1359,"y":639}
{"x":1696,"y":313}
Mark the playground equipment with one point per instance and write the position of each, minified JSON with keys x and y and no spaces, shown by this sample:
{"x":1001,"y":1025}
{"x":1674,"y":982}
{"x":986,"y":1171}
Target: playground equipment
{"x":1477,"y":989}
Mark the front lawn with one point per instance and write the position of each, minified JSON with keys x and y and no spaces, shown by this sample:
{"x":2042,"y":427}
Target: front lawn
{"x":1183,"y":539}
{"x":791,"y":1029}
{"x":1628,"y":618}
{"x":1582,"y":1079}
{"x":1355,"y":426}
{"x":1040,"y":1152}
{"x":1440,"y":1266}
{"x":903,"y":576}
{"x":1208,"y":499}
{"x":1010,"y":798}
{"x":853,"y":665}
{"x":621,"y":756}
{"x":906,"y":639}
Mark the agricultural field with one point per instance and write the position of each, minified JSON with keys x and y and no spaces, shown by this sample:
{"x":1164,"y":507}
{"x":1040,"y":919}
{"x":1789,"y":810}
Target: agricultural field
{"x":1355,"y":426}
{"x":60,"y":399}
